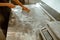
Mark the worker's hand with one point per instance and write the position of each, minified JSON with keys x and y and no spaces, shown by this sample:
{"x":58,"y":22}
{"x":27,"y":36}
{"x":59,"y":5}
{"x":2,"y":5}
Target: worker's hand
{"x":10,"y":5}
{"x":26,"y":9}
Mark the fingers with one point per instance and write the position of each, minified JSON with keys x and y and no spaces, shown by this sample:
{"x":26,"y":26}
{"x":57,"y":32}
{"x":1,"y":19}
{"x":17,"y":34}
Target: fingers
{"x":10,"y":5}
{"x":26,"y":9}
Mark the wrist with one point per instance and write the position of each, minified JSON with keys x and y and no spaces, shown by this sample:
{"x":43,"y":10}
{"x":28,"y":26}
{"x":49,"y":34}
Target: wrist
{"x":7,"y":4}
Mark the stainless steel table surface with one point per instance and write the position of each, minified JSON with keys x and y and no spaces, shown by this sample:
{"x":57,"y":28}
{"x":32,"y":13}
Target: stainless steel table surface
{"x":55,"y":28}
{"x":26,"y":26}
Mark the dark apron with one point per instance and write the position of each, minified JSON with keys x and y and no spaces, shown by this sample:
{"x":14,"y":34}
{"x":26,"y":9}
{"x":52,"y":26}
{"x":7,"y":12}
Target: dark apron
{"x":5,"y":12}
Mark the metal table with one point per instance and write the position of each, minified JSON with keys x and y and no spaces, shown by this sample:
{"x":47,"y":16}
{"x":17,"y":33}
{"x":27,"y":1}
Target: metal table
{"x":26,"y":26}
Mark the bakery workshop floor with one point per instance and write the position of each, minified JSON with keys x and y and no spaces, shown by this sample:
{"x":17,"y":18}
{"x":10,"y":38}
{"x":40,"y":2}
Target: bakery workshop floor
{"x":26,"y":26}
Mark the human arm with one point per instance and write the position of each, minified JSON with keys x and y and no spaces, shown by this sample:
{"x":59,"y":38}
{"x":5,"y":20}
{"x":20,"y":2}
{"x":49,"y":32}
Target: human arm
{"x":23,"y":7}
{"x":10,"y":5}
